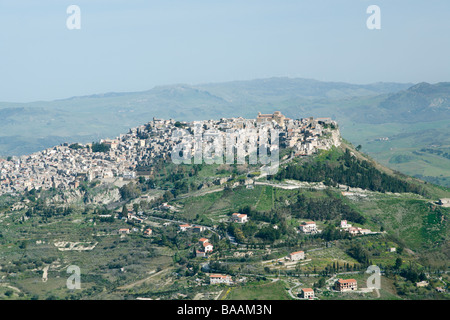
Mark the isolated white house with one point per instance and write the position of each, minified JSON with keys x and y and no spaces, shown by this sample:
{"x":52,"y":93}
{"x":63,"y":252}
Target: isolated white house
{"x":309,"y":227}
{"x":308,"y":293}
{"x":299,"y":255}
{"x":239,"y":217}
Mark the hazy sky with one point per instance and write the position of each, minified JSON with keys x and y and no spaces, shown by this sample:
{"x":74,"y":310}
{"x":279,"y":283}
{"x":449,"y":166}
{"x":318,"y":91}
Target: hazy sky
{"x":135,"y":45}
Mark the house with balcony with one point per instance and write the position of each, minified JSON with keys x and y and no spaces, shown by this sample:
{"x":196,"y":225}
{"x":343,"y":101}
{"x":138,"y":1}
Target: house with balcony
{"x":344,"y":285}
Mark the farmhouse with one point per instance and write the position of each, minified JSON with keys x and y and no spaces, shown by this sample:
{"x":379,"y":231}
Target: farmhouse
{"x":239,"y":217}
{"x":219,"y":278}
{"x":184,"y":227}
{"x":346,"y":285}
{"x":299,"y":255}
{"x":422,"y":284}
{"x":124,"y":231}
{"x":345,"y":225}
{"x":198,"y":229}
{"x":309,"y":227}
{"x":308,"y":293}
{"x":353,"y":231}
{"x":356,"y":230}
{"x":166,"y":206}
{"x":207,"y":247}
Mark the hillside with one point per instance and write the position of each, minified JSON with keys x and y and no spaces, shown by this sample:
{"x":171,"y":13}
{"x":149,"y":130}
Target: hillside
{"x":49,"y":230}
{"x":422,"y":102}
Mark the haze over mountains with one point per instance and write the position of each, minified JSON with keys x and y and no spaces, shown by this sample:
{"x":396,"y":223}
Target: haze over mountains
{"x":392,"y":121}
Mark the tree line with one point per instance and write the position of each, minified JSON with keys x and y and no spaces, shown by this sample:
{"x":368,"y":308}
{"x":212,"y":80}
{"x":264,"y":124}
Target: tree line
{"x":349,"y":171}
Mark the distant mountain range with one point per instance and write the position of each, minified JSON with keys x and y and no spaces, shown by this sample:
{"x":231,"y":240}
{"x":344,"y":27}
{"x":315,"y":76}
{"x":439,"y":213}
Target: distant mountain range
{"x":365,"y":112}
{"x":422,"y":102}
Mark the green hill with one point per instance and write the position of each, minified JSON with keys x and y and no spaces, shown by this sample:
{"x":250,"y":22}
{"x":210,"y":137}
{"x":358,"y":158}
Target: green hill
{"x":49,"y":230}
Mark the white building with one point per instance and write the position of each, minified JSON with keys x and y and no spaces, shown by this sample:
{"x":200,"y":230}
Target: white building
{"x":184,"y":227}
{"x":239,"y":217}
{"x":345,"y":225}
{"x":299,"y":255}
{"x":309,"y":227}
{"x":219,"y":278}
{"x":207,"y":247}
{"x":308,"y":293}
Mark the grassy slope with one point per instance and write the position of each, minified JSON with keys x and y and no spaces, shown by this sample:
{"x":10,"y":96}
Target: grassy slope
{"x":267,"y":291}
{"x":408,"y":219}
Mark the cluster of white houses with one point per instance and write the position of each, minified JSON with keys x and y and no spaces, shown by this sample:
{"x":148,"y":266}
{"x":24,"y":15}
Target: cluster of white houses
{"x":194,"y":228}
{"x":65,"y":166}
{"x":310,"y":227}
{"x":354,"y":230}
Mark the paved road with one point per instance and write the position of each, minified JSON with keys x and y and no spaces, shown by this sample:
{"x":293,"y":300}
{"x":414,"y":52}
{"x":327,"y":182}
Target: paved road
{"x":298,"y":284}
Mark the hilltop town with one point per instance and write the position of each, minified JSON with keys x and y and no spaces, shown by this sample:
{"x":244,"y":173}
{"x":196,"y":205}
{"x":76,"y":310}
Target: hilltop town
{"x":146,"y":227}
{"x":65,"y":166}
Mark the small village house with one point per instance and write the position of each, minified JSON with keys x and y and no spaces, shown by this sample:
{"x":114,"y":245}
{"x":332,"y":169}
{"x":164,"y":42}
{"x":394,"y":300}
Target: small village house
{"x":219,"y":279}
{"x":295,"y":256}
{"x":198,"y":229}
{"x":184,"y":227}
{"x":345,"y":225}
{"x":207,"y":247}
{"x":308,"y":293}
{"x":422,"y":284}
{"x":124,"y":231}
{"x":344,"y":285}
{"x":239,"y":217}
{"x":308,"y":227}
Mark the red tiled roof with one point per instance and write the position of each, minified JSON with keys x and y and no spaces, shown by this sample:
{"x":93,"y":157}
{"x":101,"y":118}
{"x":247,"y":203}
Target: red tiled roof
{"x":347,"y":281}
